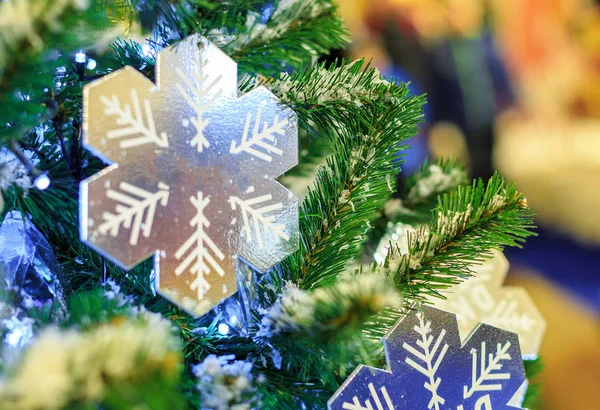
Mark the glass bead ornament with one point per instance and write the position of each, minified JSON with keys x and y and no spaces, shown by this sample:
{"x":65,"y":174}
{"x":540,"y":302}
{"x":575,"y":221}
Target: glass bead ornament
{"x":27,"y":262}
{"x":192,"y":174}
{"x":429,"y":368}
{"x":482,"y":298}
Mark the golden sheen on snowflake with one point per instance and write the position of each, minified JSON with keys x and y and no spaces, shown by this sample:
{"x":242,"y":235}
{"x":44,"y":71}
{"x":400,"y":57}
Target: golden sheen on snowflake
{"x":193,"y":171}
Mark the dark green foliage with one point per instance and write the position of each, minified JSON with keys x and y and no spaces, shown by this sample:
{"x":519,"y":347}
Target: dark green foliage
{"x":533,"y":370}
{"x":28,"y":94}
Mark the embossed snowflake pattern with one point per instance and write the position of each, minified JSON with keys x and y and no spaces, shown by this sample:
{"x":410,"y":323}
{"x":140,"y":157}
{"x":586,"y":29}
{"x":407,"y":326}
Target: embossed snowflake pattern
{"x":429,"y":368}
{"x":192,"y":174}
{"x":482,"y":298}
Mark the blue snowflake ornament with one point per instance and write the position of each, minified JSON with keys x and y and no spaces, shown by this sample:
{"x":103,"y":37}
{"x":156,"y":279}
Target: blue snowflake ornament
{"x":429,"y":368}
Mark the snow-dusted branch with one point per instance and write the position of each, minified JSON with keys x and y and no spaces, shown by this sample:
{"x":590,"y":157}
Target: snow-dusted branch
{"x":134,"y":131}
{"x":134,"y":203}
{"x":264,"y":138}
{"x":201,"y":246}
{"x":194,"y":91}
{"x":257,"y":218}
{"x":355,"y":405}
{"x":427,"y":355}
{"x":487,"y":371}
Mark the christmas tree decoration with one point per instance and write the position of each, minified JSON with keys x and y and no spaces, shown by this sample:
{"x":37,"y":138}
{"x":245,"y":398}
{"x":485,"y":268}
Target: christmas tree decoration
{"x":483,"y":299}
{"x":429,"y":368}
{"x":27,"y":262}
{"x":193,"y":171}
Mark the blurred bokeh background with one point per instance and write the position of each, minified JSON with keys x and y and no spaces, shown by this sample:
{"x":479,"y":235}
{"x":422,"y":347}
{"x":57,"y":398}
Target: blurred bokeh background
{"x":514,"y":85}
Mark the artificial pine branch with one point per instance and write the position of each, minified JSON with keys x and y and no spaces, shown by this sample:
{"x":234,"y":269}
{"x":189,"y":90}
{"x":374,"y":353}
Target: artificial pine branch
{"x":433,"y":179}
{"x":27,"y":64}
{"x":467,"y":223}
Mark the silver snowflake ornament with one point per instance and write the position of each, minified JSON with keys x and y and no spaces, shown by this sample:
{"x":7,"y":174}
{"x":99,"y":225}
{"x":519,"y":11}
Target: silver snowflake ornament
{"x":193,"y":171}
{"x":429,"y":368}
{"x":482,"y":298}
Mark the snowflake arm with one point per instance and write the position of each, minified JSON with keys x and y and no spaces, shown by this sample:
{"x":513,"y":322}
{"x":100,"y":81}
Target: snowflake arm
{"x":264,"y":139}
{"x":427,"y":357}
{"x":507,"y":316}
{"x":134,"y":203}
{"x":477,"y":383}
{"x":195,"y":94}
{"x":201,"y":245}
{"x":355,"y":405}
{"x":132,"y":124}
{"x":256,"y":219}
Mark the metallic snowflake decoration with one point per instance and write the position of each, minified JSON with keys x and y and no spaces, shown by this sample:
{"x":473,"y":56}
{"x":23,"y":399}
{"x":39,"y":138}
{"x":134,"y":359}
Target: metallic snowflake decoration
{"x":193,"y":171}
{"x":482,"y":298}
{"x":428,"y":368}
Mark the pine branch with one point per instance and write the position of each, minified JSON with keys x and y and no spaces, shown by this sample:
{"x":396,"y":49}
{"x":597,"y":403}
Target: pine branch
{"x":295,"y":34}
{"x":27,"y":61}
{"x":469,"y":221}
{"x":433,"y":179}
{"x":357,"y":178}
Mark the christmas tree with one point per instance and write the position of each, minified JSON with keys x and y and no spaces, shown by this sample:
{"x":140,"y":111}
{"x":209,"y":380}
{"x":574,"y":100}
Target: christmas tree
{"x":81,"y":331}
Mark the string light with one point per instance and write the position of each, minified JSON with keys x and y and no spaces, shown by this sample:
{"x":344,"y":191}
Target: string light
{"x":223,"y":328}
{"x":91,"y":64}
{"x":80,"y":57}
{"x":42,"y":182}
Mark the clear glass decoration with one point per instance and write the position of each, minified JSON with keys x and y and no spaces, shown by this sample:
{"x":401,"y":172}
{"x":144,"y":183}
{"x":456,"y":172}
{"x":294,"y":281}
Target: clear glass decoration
{"x":27,"y":263}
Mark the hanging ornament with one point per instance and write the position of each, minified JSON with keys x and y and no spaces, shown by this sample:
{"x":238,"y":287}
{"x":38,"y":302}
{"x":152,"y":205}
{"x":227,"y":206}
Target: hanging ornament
{"x":429,"y":368}
{"x":27,"y":263}
{"x":482,"y":298}
{"x":193,"y":171}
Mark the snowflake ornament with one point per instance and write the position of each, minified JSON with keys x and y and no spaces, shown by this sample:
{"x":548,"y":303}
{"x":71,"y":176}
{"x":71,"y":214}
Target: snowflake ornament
{"x":482,"y":298}
{"x":430,"y":369}
{"x":193,"y":171}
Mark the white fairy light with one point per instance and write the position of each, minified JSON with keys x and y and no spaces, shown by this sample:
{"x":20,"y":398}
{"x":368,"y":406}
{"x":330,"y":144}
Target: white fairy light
{"x":80,"y":57}
{"x":91,"y":64}
{"x":42,"y":182}
{"x":223,"y":328}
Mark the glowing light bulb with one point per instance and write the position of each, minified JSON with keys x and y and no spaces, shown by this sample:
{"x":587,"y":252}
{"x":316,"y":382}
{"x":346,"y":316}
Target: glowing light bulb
{"x":80,"y":57}
{"x":223,"y":328}
{"x":146,"y":49}
{"x":233,"y":320}
{"x":42,"y":182}
{"x":91,"y":64}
